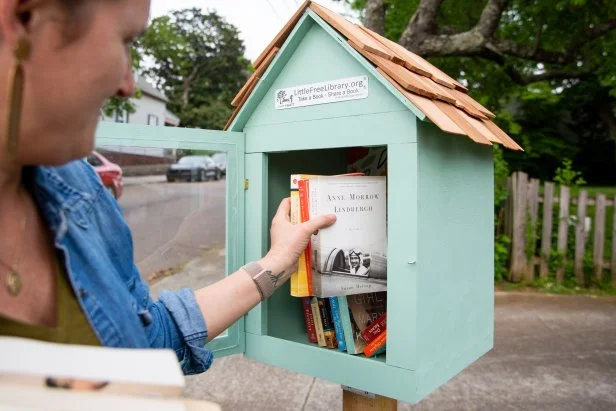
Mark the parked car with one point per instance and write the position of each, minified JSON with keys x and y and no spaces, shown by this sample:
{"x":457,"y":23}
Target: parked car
{"x":194,"y":168}
{"x":221,"y":161}
{"x":109,"y":173}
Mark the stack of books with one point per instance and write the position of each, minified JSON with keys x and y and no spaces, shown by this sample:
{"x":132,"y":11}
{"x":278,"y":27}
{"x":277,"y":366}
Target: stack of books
{"x":342,"y":275}
{"x":36,"y":375}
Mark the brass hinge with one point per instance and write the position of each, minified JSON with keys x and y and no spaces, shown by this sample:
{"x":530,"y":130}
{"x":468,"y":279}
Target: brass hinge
{"x":245,"y":184}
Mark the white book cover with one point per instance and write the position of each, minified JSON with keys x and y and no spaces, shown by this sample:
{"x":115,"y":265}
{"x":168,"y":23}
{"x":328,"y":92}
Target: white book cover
{"x":153,"y":372}
{"x":350,"y":257}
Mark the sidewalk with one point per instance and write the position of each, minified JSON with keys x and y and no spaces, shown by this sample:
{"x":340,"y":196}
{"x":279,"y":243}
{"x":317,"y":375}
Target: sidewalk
{"x":551,"y":353}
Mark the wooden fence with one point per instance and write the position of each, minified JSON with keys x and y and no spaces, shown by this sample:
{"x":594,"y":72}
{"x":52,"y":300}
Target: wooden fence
{"x":533,"y":224}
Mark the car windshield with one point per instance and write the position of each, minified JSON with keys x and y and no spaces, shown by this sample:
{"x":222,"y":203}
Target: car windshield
{"x":190,"y":160}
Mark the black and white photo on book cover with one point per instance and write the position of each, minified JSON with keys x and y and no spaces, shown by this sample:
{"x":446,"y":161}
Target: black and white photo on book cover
{"x":349,"y":257}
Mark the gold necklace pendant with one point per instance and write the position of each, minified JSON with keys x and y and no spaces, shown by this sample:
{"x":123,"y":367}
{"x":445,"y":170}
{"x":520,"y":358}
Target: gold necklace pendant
{"x":13,"y":283}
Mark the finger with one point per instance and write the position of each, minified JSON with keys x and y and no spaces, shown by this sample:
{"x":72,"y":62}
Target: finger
{"x":284,"y":209}
{"x":318,"y":222}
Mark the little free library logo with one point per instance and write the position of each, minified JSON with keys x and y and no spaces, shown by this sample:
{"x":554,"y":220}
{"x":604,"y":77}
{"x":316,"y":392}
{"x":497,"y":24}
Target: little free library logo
{"x":352,"y":88}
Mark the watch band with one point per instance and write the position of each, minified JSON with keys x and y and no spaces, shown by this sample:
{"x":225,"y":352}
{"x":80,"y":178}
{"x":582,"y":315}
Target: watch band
{"x":262,"y":279}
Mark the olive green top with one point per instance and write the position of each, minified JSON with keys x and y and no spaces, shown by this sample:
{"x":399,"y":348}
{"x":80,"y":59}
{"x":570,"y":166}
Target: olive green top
{"x":72,"y":325}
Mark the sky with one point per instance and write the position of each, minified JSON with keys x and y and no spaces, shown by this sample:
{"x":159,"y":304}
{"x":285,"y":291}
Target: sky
{"x":258,"y":21}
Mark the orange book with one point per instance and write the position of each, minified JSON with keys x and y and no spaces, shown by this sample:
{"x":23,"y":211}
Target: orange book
{"x":376,"y":344}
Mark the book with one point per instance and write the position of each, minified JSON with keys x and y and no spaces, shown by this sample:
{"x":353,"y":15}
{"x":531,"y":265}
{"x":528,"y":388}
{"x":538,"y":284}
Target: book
{"x":333,"y":303}
{"x":349,"y":257}
{"x":16,"y":397}
{"x":299,"y":279}
{"x":149,"y":372}
{"x":358,"y":312}
{"x":309,"y":320}
{"x":318,"y":322}
{"x":329,"y":333}
{"x":375,"y":329}
{"x":376,"y":344}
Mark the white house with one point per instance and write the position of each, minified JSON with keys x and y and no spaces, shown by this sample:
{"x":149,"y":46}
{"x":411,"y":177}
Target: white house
{"x":150,"y":109}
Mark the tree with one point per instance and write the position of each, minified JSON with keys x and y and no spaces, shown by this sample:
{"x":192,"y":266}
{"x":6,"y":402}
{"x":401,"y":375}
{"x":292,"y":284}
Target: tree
{"x":528,"y":61}
{"x":197,"y":59}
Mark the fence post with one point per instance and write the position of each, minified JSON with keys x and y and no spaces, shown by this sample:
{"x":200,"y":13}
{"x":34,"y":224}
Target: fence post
{"x":518,"y":253}
{"x":563,"y":226}
{"x":533,"y":209}
{"x":580,"y":237}
{"x":599,"y":239}
{"x":546,"y":235}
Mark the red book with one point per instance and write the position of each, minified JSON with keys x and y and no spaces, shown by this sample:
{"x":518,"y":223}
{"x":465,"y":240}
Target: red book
{"x":376,"y":344}
{"x":310,"y":327}
{"x":375,"y":329}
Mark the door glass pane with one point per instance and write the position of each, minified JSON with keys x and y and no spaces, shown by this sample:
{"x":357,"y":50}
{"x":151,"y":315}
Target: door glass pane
{"x":174,"y":202}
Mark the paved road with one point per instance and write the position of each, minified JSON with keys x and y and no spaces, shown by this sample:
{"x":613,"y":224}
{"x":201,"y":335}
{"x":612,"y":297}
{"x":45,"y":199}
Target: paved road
{"x":173,"y":223}
{"x":552,"y":353}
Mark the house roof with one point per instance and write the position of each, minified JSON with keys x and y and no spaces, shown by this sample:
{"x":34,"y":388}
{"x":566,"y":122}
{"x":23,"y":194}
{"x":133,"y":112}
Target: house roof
{"x":148,"y":89}
{"x":439,"y":97}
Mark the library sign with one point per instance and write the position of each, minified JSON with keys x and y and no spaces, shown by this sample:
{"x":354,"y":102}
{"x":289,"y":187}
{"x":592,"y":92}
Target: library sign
{"x":352,"y":88}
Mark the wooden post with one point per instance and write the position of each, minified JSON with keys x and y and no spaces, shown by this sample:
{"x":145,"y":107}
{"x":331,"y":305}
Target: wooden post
{"x":563,"y":229}
{"x":518,"y":251}
{"x":580,"y":237}
{"x":613,"y":264}
{"x":599,"y":238}
{"x":354,"y":401}
{"x":546,"y":235}
{"x":533,"y":210}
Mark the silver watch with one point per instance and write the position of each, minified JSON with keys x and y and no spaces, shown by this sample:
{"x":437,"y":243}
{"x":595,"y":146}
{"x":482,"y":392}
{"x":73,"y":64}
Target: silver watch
{"x":264,"y":279}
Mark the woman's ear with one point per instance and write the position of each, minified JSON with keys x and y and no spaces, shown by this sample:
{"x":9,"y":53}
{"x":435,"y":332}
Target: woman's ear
{"x":14,"y":16}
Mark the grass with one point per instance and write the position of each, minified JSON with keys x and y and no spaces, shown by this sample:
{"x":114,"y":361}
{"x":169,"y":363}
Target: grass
{"x":549,"y":286}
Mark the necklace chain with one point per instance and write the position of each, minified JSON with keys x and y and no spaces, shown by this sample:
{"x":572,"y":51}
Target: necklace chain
{"x":13,"y":281}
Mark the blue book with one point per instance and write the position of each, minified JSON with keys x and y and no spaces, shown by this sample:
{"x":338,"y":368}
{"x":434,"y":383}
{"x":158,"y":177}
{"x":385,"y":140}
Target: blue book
{"x":333,"y":302}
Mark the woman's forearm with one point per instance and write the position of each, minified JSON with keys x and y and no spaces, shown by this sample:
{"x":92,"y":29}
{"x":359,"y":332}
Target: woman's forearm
{"x":226,"y":301}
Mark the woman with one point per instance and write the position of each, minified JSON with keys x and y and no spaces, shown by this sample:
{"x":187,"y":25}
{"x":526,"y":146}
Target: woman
{"x":66,"y":259}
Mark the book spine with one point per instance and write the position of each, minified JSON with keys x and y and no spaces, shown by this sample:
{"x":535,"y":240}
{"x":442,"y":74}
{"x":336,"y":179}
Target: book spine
{"x":308,"y":317}
{"x":312,"y":189}
{"x":305,"y":216}
{"x":333,"y":303}
{"x":318,"y":322}
{"x":347,"y":327}
{"x":295,"y":219}
{"x":376,"y":344}
{"x":377,"y":327}
{"x":328,"y":325}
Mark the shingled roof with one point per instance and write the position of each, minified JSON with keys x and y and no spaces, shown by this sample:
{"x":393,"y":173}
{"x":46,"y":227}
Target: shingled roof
{"x":439,"y":97}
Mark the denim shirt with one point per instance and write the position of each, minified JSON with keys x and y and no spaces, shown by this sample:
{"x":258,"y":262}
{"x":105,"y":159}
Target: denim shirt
{"x":95,"y":242}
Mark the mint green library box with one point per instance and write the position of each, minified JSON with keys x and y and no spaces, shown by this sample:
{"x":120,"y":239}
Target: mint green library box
{"x":440,"y":212}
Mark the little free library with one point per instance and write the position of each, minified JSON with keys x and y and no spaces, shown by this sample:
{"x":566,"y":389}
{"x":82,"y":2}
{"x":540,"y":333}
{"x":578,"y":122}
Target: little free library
{"x":351,"y":113}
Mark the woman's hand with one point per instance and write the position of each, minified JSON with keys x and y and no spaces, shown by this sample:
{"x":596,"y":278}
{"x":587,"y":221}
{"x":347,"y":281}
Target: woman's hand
{"x":290,"y":240}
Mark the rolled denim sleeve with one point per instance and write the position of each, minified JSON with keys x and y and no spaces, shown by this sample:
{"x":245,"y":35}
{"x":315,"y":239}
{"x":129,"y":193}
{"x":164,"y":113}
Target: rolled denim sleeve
{"x":177,"y":323}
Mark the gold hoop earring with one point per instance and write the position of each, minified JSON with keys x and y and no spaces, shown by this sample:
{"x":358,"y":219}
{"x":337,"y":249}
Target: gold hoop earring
{"x":16,"y":92}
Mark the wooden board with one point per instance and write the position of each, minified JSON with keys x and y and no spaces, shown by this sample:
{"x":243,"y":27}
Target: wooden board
{"x":357,"y":402}
{"x":599,"y":237}
{"x":533,"y":211}
{"x":427,"y":106}
{"x":459,"y":117}
{"x":353,"y":33}
{"x":580,"y":238}
{"x":546,"y":235}
{"x":563,"y":231}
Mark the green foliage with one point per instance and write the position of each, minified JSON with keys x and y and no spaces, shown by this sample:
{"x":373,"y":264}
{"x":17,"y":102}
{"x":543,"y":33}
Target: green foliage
{"x":501,"y":257}
{"x":565,"y":175}
{"x":198,"y":61}
{"x":552,"y":119}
